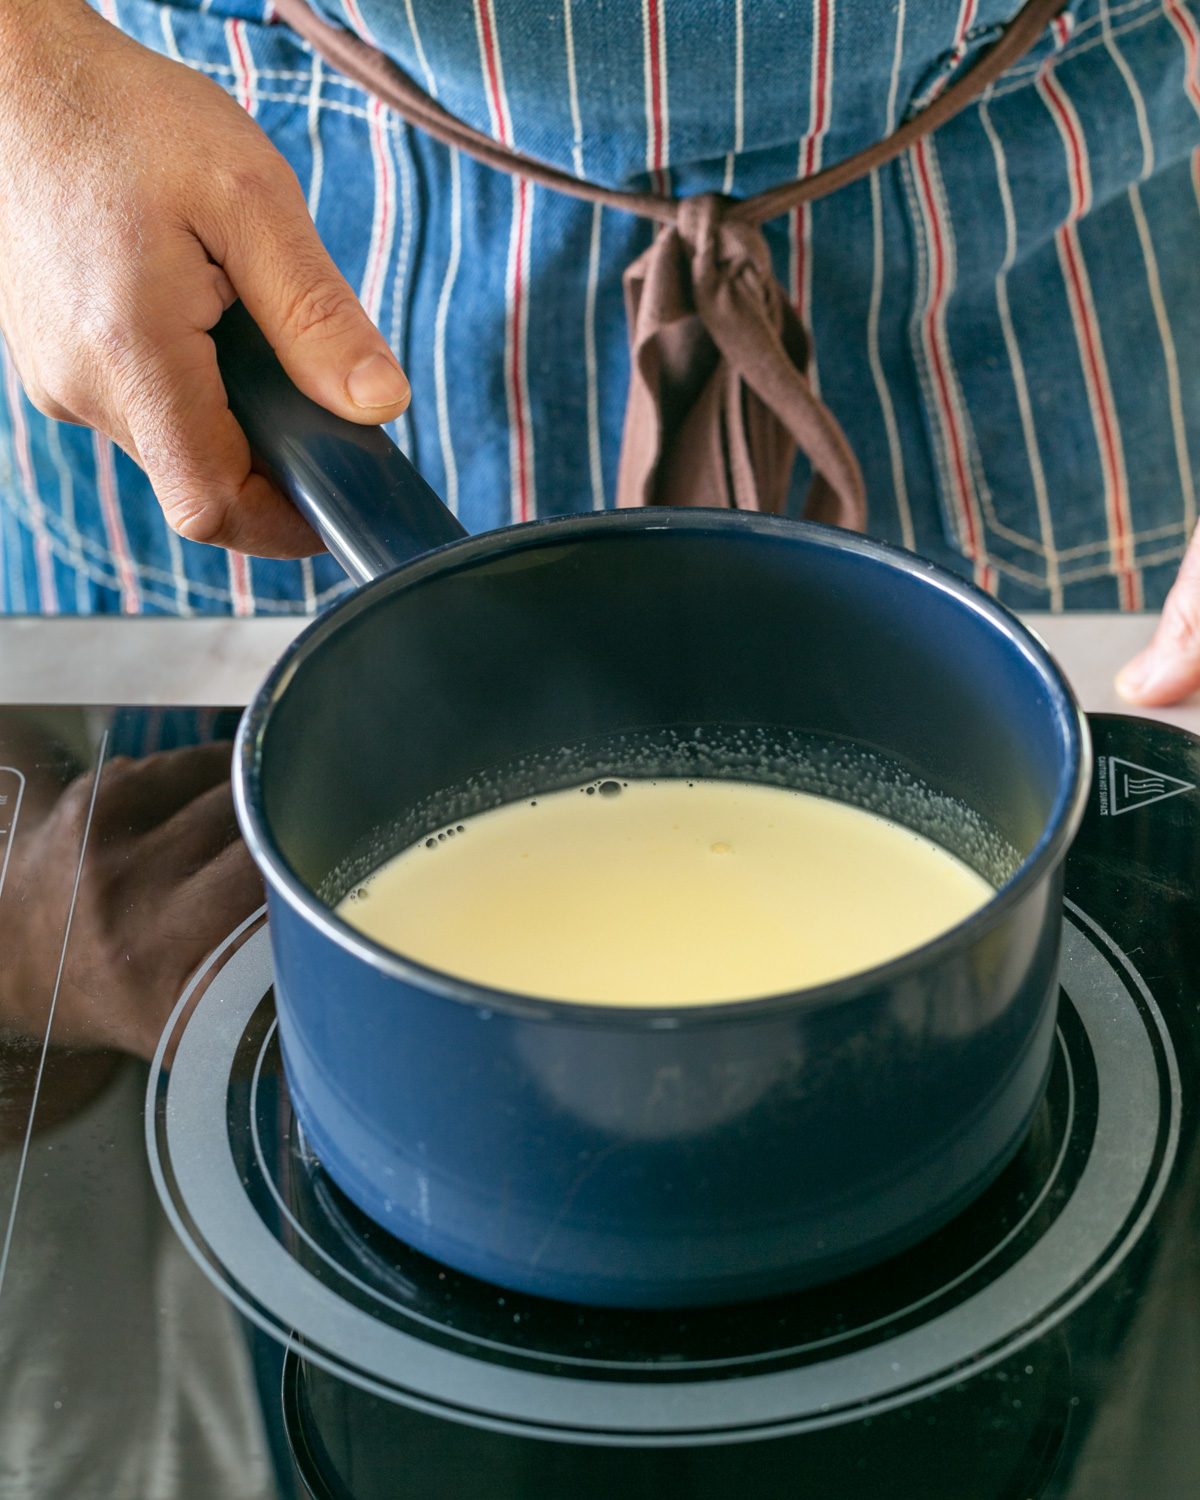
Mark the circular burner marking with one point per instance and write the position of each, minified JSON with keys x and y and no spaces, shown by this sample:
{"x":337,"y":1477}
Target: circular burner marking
{"x":1133,"y":1150}
{"x":901,"y":1314}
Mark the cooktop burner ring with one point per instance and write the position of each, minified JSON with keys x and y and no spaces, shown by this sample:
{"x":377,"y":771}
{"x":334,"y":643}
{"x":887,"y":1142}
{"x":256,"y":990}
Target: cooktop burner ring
{"x":1136,"y":1131}
{"x":776,"y":1355}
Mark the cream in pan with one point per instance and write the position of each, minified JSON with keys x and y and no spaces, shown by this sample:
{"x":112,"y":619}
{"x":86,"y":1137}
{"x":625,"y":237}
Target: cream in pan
{"x":668,"y":892}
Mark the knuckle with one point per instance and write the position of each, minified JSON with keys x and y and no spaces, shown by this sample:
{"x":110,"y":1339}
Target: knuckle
{"x":205,"y":518}
{"x":160,"y":443}
{"x":244,"y":193}
{"x":254,"y":176}
{"x":57,"y":386}
{"x":145,"y":766}
{"x":318,"y":309}
{"x":117,"y":771}
{"x":50,"y":399}
{"x":76,"y":798}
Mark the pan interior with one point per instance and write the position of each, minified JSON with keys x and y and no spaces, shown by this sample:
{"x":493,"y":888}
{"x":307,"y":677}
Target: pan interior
{"x":781,"y":658}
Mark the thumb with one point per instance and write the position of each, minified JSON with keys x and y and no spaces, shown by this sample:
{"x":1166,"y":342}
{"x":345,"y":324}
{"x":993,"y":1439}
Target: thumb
{"x":308,"y":311}
{"x":1168,"y":670}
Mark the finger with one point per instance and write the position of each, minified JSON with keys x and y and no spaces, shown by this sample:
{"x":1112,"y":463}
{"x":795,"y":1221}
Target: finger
{"x":263,"y":237}
{"x":199,"y":977}
{"x":191,"y":446}
{"x":61,"y":387}
{"x":109,"y":425}
{"x":193,"y":836}
{"x":139,"y":795}
{"x":191,"y":918}
{"x":1168,"y":670}
{"x":220,"y":894}
{"x":42,"y":396}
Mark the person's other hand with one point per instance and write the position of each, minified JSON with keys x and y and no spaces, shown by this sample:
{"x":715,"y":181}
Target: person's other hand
{"x":137,"y":202}
{"x":1168,"y":670}
{"x":165,"y":878}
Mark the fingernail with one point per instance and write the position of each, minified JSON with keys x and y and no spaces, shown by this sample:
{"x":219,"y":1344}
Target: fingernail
{"x":377,"y":382}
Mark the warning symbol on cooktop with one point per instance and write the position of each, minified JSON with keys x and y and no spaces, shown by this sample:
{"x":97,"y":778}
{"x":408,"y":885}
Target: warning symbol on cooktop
{"x":1125,"y":786}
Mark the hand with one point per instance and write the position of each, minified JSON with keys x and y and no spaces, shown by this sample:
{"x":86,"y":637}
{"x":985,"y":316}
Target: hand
{"x":1168,"y":670}
{"x":165,"y":878}
{"x":137,"y":202}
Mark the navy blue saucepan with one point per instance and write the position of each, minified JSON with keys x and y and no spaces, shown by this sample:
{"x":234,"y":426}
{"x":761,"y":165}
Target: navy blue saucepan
{"x":648,"y":1157}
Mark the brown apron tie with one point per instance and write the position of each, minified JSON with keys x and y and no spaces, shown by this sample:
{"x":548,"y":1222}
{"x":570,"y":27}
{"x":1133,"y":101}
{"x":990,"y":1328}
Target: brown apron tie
{"x":719,"y":396}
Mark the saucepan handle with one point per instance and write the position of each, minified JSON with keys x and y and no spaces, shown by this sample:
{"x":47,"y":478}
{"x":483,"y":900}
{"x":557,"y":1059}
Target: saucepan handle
{"x":352,"y":484}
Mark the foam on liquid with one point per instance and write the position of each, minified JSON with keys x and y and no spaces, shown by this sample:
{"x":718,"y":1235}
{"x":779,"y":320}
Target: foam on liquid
{"x":665,"y":893}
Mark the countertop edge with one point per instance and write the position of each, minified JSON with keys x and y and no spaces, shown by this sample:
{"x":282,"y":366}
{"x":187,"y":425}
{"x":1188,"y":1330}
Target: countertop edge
{"x":160,"y":660}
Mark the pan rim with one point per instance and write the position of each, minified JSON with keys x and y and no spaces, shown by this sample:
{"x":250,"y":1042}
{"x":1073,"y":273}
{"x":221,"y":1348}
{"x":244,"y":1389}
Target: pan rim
{"x":1066,"y":815}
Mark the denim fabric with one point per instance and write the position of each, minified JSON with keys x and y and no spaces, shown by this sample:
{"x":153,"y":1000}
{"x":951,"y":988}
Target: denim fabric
{"x":1006,"y":320}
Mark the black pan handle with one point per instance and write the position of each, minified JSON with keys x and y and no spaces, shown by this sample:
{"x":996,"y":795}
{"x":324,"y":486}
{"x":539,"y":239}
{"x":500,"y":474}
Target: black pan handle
{"x":352,"y":484}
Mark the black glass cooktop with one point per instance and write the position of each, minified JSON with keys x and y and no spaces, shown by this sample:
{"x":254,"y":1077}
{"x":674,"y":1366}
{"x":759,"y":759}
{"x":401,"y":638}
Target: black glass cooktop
{"x":165,"y":1215}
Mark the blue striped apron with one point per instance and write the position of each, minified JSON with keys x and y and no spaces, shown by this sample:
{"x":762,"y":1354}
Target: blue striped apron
{"x":1006,"y":320}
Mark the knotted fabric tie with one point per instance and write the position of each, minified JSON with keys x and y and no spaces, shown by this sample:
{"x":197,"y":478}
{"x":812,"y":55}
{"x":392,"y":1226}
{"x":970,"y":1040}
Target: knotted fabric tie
{"x":719,"y":396}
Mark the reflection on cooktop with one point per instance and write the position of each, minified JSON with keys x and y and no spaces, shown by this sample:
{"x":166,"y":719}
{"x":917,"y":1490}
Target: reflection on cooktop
{"x":977,"y":1362}
{"x":1046,"y":1343}
{"x":1062,"y":1216}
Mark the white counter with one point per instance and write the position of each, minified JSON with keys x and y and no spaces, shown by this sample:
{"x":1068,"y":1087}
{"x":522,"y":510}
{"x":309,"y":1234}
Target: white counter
{"x":109,"y":659}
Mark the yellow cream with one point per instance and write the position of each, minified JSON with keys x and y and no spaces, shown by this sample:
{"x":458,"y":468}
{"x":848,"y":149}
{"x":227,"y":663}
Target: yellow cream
{"x":665,"y":893}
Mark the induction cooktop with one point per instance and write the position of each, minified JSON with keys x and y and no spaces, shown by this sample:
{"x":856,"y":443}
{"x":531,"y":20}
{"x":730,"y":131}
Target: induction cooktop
{"x":1046,"y":1343}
